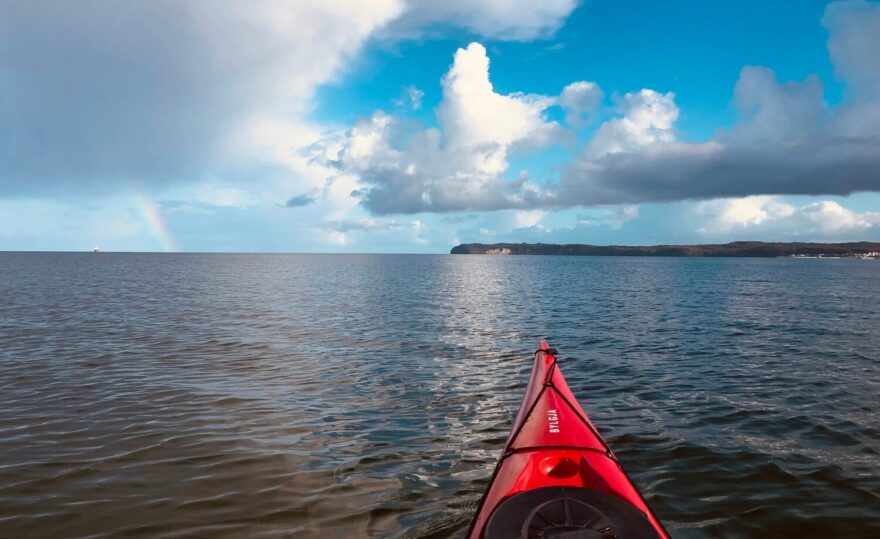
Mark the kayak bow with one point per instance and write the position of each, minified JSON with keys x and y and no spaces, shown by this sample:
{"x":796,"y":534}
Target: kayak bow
{"x":556,"y":476}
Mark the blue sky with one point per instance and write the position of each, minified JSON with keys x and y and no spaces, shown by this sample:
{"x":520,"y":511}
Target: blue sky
{"x":411,"y":126}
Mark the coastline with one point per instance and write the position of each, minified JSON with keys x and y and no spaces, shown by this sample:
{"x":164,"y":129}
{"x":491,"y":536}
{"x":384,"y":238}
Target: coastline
{"x":752,"y":249}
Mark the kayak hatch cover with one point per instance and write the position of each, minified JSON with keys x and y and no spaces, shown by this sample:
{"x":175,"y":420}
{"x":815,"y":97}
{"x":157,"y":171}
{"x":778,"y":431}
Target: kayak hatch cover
{"x":557,"y":478}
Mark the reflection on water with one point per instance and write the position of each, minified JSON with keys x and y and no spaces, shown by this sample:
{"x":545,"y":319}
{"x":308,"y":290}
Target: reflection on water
{"x":368,"y":396}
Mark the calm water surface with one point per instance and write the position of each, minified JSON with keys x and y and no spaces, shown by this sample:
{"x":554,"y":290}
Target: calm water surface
{"x":146,"y":395}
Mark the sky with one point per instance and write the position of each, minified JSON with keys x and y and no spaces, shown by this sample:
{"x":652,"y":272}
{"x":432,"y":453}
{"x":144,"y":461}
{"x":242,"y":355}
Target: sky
{"x":413,"y":125}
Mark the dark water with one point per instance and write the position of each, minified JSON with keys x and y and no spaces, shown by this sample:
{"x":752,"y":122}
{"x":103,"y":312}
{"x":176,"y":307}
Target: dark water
{"x":368,"y":396}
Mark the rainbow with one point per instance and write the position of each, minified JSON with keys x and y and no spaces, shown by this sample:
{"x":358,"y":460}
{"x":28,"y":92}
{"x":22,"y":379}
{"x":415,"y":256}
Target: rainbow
{"x":154,"y":219}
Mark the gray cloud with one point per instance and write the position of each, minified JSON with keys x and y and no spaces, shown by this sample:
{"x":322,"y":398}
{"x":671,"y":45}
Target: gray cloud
{"x":854,"y":42}
{"x":826,"y":166}
{"x":776,"y":113}
{"x":498,"y":19}
{"x":103,"y":92}
{"x":300,"y":200}
{"x":439,"y":191}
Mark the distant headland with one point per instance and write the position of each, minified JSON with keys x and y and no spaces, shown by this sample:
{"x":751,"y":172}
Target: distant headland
{"x":860,"y":249}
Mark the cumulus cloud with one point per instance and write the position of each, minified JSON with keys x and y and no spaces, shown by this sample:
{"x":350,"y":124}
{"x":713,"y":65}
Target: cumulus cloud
{"x":648,"y":118}
{"x":824,"y":219}
{"x":473,"y":115}
{"x":741,"y":213}
{"x":580,"y":99}
{"x":832,"y":218}
{"x":458,"y":166}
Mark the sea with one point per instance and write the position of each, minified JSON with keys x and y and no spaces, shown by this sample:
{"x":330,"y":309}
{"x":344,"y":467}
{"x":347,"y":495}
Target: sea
{"x":301,"y":395}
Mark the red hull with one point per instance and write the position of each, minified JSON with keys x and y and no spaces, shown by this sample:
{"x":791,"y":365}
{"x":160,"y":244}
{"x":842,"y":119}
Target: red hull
{"x":554,"y":444}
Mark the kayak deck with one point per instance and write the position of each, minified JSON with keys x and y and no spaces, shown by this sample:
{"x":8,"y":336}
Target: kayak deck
{"x":556,"y":476}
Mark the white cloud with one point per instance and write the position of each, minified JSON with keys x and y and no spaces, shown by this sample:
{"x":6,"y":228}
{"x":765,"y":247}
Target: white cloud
{"x":648,"y":118}
{"x":405,"y":169}
{"x":332,"y":237}
{"x":411,"y":97}
{"x":730,"y":214}
{"x":628,"y":212}
{"x":366,"y":140}
{"x":830,"y":217}
{"x":418,"y":229}
{"x":579,"y":99}
{"x":474,"y":117}
{"x":336,"y":196}
{"x":527,"y":218}
{"x":768,"y":214}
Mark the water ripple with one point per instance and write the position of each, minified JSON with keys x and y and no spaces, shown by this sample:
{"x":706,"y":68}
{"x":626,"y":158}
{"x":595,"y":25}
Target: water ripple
{"x":368,"y":396}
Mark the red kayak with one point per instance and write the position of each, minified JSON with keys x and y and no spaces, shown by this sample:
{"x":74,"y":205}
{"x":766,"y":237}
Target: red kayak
{"x":557,"y":478}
